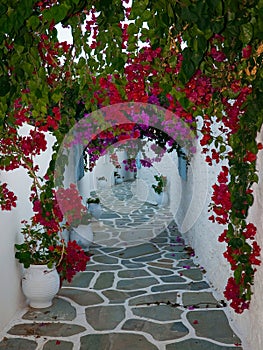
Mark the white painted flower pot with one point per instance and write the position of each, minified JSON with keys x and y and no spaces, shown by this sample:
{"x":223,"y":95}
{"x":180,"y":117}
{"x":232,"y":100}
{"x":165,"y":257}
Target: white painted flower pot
{"x":161,"y":199}
{"x":83,"y":235}
{"x":102,"y":183}
{"x":40,"y":285}
{"x":95,"y":210}
{"x":118,"y":180}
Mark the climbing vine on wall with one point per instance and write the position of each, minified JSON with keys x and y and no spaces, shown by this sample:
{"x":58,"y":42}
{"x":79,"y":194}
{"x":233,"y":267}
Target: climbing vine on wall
{"x":194,"y":58}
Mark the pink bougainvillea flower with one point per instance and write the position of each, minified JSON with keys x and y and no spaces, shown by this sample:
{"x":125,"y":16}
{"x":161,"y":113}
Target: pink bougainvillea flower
{"x":246,"y":51}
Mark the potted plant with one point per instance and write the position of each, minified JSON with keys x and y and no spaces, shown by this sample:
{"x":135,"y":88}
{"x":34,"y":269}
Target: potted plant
{"x":159,"y":189}
{"x":102,"y":181}
{"x":47,"y":257}
{"x":44,"y":251}
{"x":117,"y":178}
{"x":93,"y":200}
{"x":78,"y":219}
{"x":94,"y":207}
{"x":47,"y":260}
{"x":82,"y":232}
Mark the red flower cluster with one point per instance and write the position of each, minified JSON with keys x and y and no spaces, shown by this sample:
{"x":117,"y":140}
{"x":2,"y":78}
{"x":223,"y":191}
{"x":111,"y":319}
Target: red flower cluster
{"x":44,"y":4}
{"x":138,"y":71}
{"x":241,"y":255}
{"x":7,"y":198}
{"x":216,"y":51}
{"x":21,"y":113}
{"x":232,"y":292}
{"x":250,"y":157}
{"x":221,"y":198}
{"x":74,"y":260}
{"x":253,"y":258}
{"x":114,"y":160}
{"x":50,"y":51}
{"x":217,"y":55}
{"x":51,"y":122}
{"x":92,"y":27}
{"x":234,"y":109}
{"x":107,"y":91}
{"x":47,"y":213}
{"x":33,"y":144}
{"x":20,"y":150}
{"x":199,"y":89}
{"x":246,"y":52}
{"x":250,"y":231}
{"x":70,"y":204}
{"x":232,"y":194}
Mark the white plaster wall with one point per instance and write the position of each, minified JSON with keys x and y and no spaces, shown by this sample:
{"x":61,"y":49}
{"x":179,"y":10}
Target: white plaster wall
{"x":122,"y":155}
{"x":168,"y":167}
{"x":250,"y":322}
{"x":89,"y":182}
{"x":202,"y":235}
{"x":10,"y":273}
{"x":103,"y":168}
{"x":192,"y":218}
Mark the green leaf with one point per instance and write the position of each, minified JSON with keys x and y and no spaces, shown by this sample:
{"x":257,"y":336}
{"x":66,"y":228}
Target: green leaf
{"x":21,"y":246}
{"x":4,"y":85}
{"x":50,"y":265}
{"x":254,"y":178}
{"x":236,"y":242}
{"x":243,"y":258}
{"x":132,"y":29}
{"x":146,"y":16}
{"x":19,"y":49}
{"x":56,"y":12}
{"x":3,"y":9}
{"x":143,"y":4}
{"x":33,"y":22}
{"x":184,"y":102}
{"x":188,"y":16}
{"x":230,"y":230}
{"x":38,"y":93}
{"x":118,"y":63}
{"x":222,"y":148}
{"x":238,"y":273}
{"x":136,"y":10}
{"x":250,"y":199}
{"x":20,"y":73}
{"x":246,"y":248}
{"x":170,"y":11}
{"x":56,"y":96}
{"x":246,"y":33}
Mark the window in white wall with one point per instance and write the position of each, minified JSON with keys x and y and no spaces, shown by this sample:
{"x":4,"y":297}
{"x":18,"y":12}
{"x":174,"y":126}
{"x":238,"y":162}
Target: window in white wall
{"x":78,"y":162}
{"x":182,"y":164}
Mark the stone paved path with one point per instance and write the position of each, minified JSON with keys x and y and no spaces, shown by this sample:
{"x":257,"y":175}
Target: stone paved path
{"x":139,"y":292}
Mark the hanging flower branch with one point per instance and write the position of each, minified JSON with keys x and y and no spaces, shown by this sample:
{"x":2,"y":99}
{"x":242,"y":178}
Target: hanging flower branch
{"x":232,"y":194}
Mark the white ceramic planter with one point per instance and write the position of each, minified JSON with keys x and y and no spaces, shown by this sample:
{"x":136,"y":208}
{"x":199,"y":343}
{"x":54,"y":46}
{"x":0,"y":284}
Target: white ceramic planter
{"x":102,"y":183}
{"x":40,"y":285}
{"x":65,"y":235}
{"x":95,"y":210}
{"x":118,"y":180}
{"x":83,"y":235}
{"x":161,"y":199}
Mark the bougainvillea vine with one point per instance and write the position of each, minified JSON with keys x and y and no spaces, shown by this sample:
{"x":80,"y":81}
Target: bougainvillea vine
{"x":196,"y":59}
